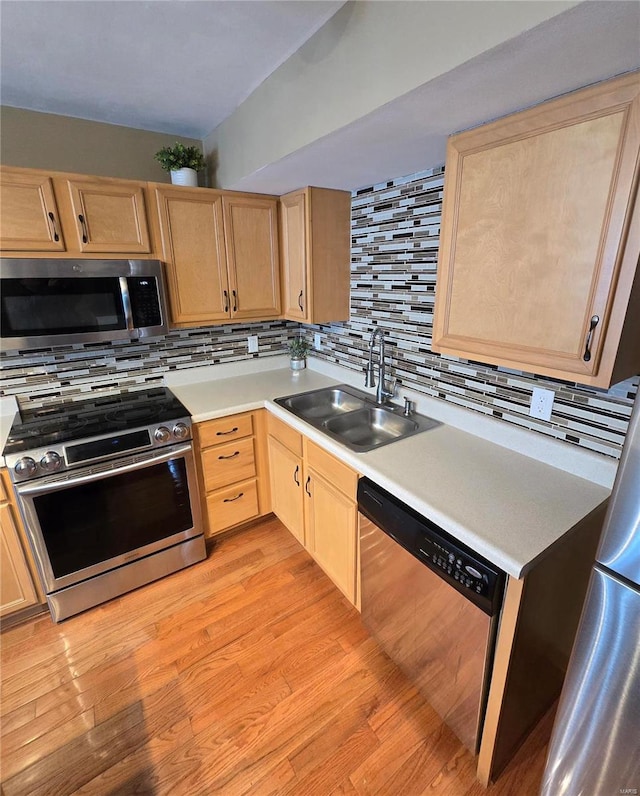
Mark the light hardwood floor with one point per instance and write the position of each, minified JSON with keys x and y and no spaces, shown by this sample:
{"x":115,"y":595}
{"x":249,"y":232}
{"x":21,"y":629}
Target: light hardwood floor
{"x":247,"y":673}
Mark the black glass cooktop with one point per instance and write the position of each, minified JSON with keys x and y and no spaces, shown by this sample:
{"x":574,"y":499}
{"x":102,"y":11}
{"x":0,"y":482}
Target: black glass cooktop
{"x":73,"y":420}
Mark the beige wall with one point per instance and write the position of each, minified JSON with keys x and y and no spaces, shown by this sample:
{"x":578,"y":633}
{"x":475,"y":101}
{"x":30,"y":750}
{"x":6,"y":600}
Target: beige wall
{"x":62,"y":143}
{"x":366,"y":55}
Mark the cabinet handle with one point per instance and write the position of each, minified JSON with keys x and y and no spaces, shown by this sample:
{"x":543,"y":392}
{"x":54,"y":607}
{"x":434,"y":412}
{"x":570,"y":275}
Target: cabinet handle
{"x":306,"y":485}
{"x":224,"y":433}
{"x":54,"y":229}
{"x":295,"y":475}
{"x":231,"y":456}
{"x":300,"y":302}
{"x":235,"y":300}
{"x":595,"y":319}
{"x":237,"y":497}
{"x":85,"y":232}
{"x":226,"y":300}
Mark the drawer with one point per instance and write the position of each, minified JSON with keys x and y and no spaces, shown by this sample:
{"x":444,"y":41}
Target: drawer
{"x":225,"y":464}
{"x":288,"y":436}
{"x":223,"y":429}
{"x":232,"y":505}
{"x":340,"y":475}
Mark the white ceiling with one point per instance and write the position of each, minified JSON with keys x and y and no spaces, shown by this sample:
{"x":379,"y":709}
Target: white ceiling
{"x":182,"y":66}
{"x":172,"y":67}
{"x":591,"y":42}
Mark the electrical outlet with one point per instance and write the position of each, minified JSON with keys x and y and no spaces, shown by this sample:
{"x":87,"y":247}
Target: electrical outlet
{"x":541,"y":403}
{"x":252,"y":344}
{"x":317,"y":341}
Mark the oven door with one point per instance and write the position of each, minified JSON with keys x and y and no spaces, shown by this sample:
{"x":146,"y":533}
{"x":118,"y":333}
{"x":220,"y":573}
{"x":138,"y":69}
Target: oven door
{"x":97,"y":518}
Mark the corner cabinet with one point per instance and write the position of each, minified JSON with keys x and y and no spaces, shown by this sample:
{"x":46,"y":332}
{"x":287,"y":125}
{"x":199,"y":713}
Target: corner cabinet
{"x":72,"y":215}
{"x":221,"y":252}
{"x":540,"y":239}
{"x":314,"y":496}
{"x":315,"y":239}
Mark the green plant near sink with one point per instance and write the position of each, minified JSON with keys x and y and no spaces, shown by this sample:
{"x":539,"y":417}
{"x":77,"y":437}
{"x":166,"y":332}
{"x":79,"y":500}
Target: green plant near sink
{"x":298,"y":350}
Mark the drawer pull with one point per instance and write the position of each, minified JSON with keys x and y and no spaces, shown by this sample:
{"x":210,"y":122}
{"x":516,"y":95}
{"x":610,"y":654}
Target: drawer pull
{"x":306,"y":486}
{"x":230,"y":500}
{"x":592,"y":325}
{"x":300,"y":302}
{"x":235,"y":300}
{"x":295,"y":475}
{"x":226,"y":300}
{"x":224,"y":433}
{"x":231,"y":455}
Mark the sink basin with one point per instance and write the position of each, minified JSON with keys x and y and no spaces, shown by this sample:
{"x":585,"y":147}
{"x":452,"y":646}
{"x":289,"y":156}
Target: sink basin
{"x":322,"y":404}
{"x":368,"y":428}
{"x":353,"y":418}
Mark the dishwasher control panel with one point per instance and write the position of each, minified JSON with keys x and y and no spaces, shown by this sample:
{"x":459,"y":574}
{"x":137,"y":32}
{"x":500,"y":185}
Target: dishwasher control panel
{"x":467,"y":571}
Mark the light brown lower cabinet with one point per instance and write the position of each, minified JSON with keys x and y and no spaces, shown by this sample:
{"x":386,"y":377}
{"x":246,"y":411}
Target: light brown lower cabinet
{"x":18,"y":589}
{"x":314,"y":495}
{"x":231,"y":457}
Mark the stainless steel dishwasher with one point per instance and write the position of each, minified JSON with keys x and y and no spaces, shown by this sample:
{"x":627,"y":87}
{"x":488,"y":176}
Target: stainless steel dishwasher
{"x":433,"y":606}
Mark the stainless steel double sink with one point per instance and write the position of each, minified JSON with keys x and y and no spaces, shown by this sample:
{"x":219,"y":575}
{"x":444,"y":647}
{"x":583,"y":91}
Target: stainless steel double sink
{"x":353,"y":417}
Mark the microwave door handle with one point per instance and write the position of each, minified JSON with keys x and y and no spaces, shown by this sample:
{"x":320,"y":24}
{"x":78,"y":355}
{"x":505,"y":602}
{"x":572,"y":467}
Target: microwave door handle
{"x":55,"y":482}
{"x":126,"y":302}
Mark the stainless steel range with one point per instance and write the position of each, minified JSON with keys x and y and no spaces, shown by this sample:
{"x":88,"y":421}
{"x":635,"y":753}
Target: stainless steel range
{"x":108,"y":493}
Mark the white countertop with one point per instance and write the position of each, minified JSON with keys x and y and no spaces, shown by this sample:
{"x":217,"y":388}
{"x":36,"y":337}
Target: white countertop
{"x":507,"y":506}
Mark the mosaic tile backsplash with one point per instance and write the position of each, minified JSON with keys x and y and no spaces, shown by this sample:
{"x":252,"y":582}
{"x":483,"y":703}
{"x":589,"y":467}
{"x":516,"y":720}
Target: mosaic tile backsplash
{"x":395,"y":228}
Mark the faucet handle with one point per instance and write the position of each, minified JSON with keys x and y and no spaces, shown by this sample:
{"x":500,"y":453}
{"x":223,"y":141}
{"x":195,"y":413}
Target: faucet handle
{"x":390,"y":387}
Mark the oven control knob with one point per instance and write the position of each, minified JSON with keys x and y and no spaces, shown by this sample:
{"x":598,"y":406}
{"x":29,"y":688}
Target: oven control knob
{"x":25,"y":466}
{"x":162,"y":434}
{"x":180,"y":431}
{"x":50,"y":461}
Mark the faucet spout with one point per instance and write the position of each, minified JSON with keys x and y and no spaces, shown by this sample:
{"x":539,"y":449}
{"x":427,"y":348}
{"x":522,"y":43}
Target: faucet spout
{"x":382,"y":392}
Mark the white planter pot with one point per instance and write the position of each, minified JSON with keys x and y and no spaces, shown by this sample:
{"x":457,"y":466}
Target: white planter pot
{"x":185,"y":177}
{"x":298,"y":364}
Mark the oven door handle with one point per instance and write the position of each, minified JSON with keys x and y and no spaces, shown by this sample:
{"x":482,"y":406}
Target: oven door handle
{"x":49,"y":485}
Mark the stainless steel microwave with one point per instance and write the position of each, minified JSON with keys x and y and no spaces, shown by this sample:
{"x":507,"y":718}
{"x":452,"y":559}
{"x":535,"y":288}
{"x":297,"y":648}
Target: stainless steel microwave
{"x":47,"y":302}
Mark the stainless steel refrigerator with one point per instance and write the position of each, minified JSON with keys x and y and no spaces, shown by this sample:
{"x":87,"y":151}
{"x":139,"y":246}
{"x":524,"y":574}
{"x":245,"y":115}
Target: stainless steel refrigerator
{"x":595,"y":745}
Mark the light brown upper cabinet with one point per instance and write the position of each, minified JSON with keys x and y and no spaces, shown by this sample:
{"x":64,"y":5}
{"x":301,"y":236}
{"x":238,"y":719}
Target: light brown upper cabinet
{"x":221,"y":252}
{"x":540,"y":239}
{"x":71,"y":215}
{"x":315,"y":239}
{"x":192,"y":240}
{"x":29,"y":219}
{"x":251,"y":236}
{"x":103,"y":215}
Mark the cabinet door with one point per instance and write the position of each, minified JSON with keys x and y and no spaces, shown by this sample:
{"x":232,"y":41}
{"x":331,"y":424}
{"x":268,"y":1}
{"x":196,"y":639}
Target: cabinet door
{"x":536,"y":217}
{"x":294,"y":256}
{"x":332,"y":518}
{"x":107,"y":216}
{"x":16,"y":587}
{"x":192,"y":233}
{"x":29,"y":219}
{"x":286,"y":488}
{"x":251,"y":235}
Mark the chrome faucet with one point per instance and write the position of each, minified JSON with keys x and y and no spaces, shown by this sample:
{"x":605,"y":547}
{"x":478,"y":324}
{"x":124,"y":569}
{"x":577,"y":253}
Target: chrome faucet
{"x":383,"y":390}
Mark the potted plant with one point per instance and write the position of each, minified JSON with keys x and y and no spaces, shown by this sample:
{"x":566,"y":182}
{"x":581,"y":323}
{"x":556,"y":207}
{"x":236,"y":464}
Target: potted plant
{"x":298,"y":350}
{"x":182,"y":162}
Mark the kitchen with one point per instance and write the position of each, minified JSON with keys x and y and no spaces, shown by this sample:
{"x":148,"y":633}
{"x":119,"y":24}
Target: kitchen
{"x":380,"y":294}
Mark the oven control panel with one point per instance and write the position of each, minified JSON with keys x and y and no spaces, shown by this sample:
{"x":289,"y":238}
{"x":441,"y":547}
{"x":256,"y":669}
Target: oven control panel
{"x":40,"y":462}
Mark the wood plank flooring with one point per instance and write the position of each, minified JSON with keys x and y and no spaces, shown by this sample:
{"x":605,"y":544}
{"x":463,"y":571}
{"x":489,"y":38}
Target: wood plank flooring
{"x":246,"y":674}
